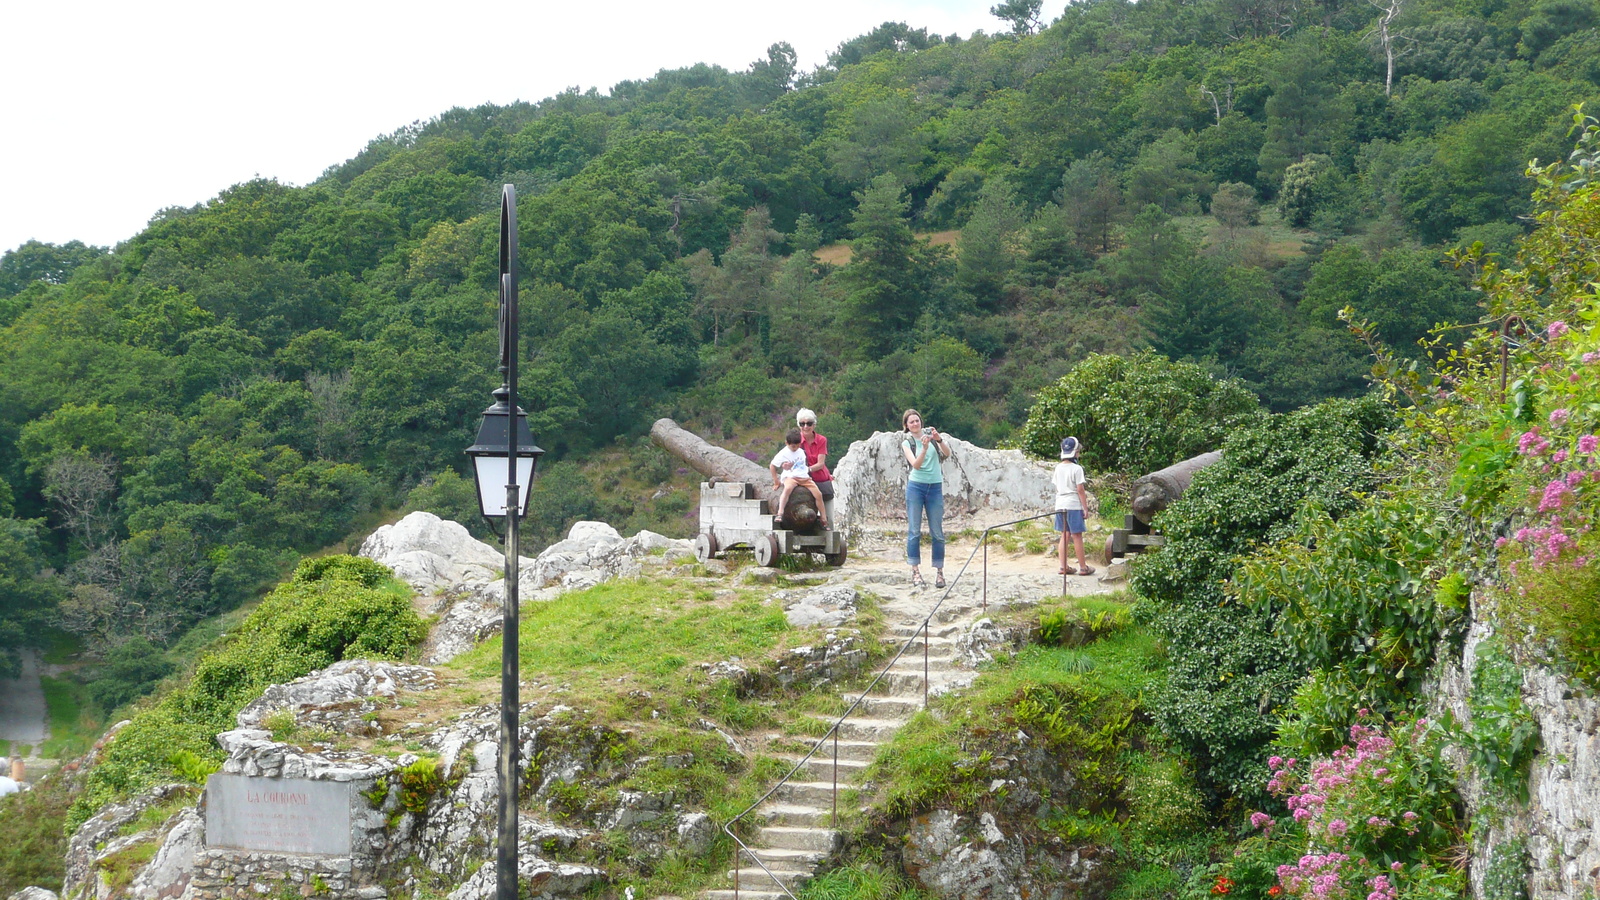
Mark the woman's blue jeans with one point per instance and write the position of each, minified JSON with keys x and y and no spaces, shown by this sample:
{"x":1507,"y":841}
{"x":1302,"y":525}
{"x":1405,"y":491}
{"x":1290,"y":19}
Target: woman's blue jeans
{"x":922,"y":497}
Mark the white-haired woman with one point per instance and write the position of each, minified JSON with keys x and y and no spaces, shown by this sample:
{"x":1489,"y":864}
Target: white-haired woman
{"x":816,"y":447}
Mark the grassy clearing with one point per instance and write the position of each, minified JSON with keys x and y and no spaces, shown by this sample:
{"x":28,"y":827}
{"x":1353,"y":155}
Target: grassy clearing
{"x":631,"y":648}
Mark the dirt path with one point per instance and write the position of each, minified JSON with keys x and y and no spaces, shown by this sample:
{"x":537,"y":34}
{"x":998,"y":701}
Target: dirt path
{"x":22,"y":708}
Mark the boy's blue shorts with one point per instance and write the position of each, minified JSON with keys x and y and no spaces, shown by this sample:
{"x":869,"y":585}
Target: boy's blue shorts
{"x":1070,"y":521}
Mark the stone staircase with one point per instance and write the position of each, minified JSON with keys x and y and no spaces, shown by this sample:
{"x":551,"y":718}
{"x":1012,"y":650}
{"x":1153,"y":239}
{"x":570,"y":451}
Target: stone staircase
{"x":796,"y":822}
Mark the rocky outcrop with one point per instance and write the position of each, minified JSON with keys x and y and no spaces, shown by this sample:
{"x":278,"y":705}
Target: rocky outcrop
{"x":981,"y":487}
{"x":341,"y":698}
{"x":826,"y":607}
{"x":970,"y":858}
{"x":432,"y":554}
{"x":101,"y":839}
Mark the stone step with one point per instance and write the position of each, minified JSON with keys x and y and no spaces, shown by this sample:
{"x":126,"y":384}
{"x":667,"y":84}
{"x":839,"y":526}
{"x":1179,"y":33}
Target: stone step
{"x":818,"y":794}
{"x":937,"y":632}
{"x":856,"y":750}
{"x":789,"y":866}
{"x":821,"y":768}
{"x":913,"y":662}
{"x":792,"y":837}
{"x":901,"y":682}
{"x":868,"y":728}
{"x":878,"y":706}
{"x":798,"y":815}
{"x":730,"y":894}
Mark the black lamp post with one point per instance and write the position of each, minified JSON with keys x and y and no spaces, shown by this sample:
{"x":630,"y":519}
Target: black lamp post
{"x":503,"y":494}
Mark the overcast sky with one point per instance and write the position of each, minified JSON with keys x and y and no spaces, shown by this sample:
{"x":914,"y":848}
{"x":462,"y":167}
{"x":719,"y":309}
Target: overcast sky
{"x":113,"y":111}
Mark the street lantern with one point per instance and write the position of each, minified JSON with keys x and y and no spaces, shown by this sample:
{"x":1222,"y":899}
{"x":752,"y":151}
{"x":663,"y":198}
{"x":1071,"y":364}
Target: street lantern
{"x":489,"y":455}
{"x":503,"y":494}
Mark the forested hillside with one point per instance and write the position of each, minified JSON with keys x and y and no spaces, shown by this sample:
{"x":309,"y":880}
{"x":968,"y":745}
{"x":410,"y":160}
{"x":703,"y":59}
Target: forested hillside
{"x":246,"y":380}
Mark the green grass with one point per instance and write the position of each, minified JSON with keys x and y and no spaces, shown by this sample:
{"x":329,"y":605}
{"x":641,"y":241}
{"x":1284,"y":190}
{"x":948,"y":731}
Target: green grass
{"x":646,"y":635}
{"x":74,"y":724}
{"x":863,"y":881}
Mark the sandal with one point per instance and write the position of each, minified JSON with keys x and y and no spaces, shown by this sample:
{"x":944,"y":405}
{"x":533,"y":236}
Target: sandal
{"x":1086,"y":570}
{"x":916,"y":579}
{"x":938,"y":580}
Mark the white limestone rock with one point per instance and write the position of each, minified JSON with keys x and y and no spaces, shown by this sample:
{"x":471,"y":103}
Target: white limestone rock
{"x":696,"y":832}
{"x":34,"y":893}
{"x":432,"y":554}
{"x":339,"y":697}
{"x":957,"y":858}
{"x":981,"y":486}
{"x":826,"y":607}
{"x":542,"y":878}
{"x":168,"y":874}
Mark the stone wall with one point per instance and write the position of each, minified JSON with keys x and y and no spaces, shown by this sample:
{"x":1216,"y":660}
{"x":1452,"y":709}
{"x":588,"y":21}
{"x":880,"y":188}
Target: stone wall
{"x":1557,"y":823}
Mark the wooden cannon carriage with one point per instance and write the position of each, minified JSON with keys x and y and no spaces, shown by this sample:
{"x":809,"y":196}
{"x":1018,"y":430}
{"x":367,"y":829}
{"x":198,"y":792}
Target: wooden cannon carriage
{"x":731,"y":515}
{"x":736,"y":503}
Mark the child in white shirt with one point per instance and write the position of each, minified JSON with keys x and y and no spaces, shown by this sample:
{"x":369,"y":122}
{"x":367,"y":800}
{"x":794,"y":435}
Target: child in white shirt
{"x":1072,"y":498}
{"x":790,"y":464}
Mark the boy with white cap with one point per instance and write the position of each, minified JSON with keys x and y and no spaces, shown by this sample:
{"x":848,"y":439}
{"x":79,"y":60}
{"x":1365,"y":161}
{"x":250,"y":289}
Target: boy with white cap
{"x":1072,"y":498}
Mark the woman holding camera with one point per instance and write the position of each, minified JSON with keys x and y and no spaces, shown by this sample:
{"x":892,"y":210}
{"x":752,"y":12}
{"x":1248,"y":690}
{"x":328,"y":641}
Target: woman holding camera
{"x":925,"y":450}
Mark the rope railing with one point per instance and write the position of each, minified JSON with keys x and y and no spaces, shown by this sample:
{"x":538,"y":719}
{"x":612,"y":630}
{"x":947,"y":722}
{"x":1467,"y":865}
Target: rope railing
{"x":833,"y":730}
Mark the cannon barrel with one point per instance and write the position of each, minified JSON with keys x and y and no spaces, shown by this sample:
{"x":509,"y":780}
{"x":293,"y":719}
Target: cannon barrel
{"x":1156,"y":491}
{"x":721,"y":465}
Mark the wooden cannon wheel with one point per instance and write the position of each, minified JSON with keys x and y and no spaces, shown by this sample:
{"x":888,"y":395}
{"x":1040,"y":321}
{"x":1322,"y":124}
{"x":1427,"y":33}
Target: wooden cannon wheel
{"x":767,"y":552}
{"x":837,"y":559}
{"x":705,"y":546}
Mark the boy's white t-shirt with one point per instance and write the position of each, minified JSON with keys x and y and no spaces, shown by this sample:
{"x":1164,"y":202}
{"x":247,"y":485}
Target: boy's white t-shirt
{"x":800,"y":469}
{"x":1067,"y":476}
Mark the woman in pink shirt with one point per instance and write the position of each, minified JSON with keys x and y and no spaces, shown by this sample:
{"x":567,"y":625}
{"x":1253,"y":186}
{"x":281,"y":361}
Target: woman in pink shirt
{"x":816,"y":447}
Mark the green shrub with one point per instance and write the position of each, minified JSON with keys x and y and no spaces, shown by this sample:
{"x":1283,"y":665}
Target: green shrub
{"x":131,"y":670}
{"x":1230,"y":666}
{"x":1359,"y":609}
{"x":1136,"y":414}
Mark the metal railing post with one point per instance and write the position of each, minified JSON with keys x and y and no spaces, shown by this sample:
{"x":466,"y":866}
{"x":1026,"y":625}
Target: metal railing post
{"x":835,"y":776}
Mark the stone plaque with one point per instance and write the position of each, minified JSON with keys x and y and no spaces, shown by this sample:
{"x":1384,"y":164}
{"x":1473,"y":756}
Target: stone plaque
{"x":278,"y":815}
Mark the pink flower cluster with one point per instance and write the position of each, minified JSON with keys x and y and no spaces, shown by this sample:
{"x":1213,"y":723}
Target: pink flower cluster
{"x":1329,"y":800}
{"x":1349,"y":763}
{"x":1381,"y":888}
{"x":1316,"y":875}
{"x":1561,"y":496}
